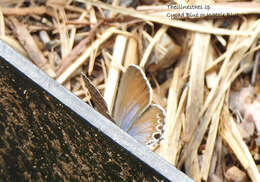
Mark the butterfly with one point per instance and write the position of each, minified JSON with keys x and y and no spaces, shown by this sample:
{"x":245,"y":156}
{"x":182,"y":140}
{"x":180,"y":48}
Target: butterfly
{"x":133,"y":109}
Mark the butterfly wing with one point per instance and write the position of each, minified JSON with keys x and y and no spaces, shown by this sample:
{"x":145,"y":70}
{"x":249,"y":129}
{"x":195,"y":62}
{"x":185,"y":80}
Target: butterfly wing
{"x":148,"y":127}
{"x":134,"y":96}
{"x":97,"y":98}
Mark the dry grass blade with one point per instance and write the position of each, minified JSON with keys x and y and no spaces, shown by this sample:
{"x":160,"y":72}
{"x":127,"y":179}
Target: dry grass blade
{"x":211,"y":75}
{"x":77,"y":50}
{"x":63,"y":32}
{"x":238,"y":8}
{"x":239,"y":46}
{"x":171,"y":145}
{"x":195,"y":98}
{"x":231,"y":135}
{"x":148,"y":50}
{"x":28,"y":43}
{"x":24,"y":11}
{"x":85,"y":55}
{"x":196,"y":139}
{"x":165,"y":20}
{"x":132,"y":54}
{"x":202,"y":11}
{"x":196,"y":84}
{"x":226,"y":75}
{"x":114,"y":72}
{"x":8,"y":39}
{"x":171,"y":122}
{"x":207,"y":155}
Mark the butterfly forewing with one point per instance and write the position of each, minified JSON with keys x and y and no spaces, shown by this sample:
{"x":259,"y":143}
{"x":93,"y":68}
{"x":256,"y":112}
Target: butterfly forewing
{"x":97,"y":98}
{"x":134,"y":96}
{"x":149,"y":126}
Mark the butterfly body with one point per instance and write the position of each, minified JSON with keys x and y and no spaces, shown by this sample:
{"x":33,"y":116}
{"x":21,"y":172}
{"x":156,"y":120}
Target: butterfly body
{"x":134,"y":111}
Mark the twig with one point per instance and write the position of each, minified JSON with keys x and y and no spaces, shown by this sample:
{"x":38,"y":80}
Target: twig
{"x":76,"y":51}
{"x":27,"y":41}
{"x":24,"y":11}
{"x":82,"y":58}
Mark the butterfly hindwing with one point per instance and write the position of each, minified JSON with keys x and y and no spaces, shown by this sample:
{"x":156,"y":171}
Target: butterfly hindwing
{"x":148,"y":127}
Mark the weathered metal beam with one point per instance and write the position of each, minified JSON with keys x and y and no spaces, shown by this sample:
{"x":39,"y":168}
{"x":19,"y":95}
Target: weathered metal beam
{"x":48,"y":134}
